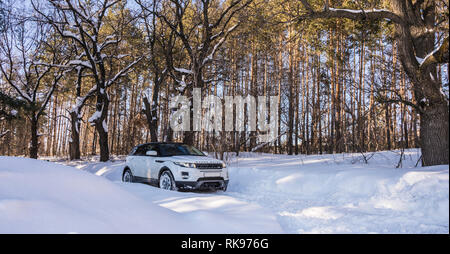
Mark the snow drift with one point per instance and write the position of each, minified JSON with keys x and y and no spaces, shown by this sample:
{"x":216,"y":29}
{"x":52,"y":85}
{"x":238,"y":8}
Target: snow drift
{"x":44,"y":197}
{"x":339,"y":193}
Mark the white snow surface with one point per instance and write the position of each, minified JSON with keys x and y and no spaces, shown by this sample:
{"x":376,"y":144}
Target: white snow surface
{"x":267,"y":194}
{"x":45,"y":197}
{"x":341,"y":194}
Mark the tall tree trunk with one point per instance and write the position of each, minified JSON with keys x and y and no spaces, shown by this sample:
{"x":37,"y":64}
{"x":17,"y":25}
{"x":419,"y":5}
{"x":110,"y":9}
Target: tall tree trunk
{"x":34,"y":146}
{"x":151,"y":114}
{"x":74,"y":143}
{"x":280,"y":80}
{"x":434,"y":134}
{"x":101,"y":125}
{"x":361,"y":121}
{"x":254,"y":92}
{"x":291,"y":99}
{"x":103,"y":142}
{"x":338,"y":93}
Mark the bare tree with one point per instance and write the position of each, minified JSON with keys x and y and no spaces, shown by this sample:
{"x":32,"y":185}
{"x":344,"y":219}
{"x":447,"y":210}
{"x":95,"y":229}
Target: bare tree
{"x":75,"y":114}
{"x":417,"y":25}
{"x":81,"y":23}
{"x":160,"y":41}
{"x":201,"y":39}
{"x":29,"y":55}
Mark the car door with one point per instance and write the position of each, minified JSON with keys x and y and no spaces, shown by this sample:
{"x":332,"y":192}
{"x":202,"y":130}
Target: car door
{"x":131,"y":160}
{"x":149,"y":164}
{"x":138,"y":160}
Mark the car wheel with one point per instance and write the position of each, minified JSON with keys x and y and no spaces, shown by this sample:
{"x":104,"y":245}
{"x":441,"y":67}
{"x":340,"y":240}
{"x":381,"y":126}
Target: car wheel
{"x":127,"y":176}
{"x":166,"y":181}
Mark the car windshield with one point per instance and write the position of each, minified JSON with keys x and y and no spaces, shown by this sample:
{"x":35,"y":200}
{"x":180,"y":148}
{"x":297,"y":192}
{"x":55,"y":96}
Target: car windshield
{"x":179,"y":149}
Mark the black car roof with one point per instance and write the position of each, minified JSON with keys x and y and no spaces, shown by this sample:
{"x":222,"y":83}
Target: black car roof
{"x":161,"y":143}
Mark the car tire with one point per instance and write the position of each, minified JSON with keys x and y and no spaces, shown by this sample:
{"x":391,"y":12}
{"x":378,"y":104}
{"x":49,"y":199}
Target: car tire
{"x":166,"y":181}
{"x":127,"y":176}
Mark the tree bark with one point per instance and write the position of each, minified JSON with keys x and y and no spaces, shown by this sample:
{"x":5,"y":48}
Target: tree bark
{"x":291,"y":111}
{"x":34,"y":137}
{"x":74,"y":144}
{"x":150,"y":113}
{"x":100,"y":123}
{"x":434,"y":135}
{"x":103,"y":142}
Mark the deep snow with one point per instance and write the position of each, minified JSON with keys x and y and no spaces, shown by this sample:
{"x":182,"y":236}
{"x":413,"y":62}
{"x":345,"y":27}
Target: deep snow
{"x":342,"y":194}
{"x":267,"y":194}
{"x":44,"y":197}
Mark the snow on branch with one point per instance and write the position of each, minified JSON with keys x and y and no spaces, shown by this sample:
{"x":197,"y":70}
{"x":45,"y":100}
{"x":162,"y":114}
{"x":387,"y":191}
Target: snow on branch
{"x":210,"y":56}
{"x":123,"y":72}
{"x":95,"y":117}
{"x":80,"y":101}
{"x":219,"y":43}
{"x":182,"y":70}
{"x":4,"y":133}
{"x":69,"y":34}
{"x":80,"y":63}
{"x":108,"y":40}
{"x":69,"y":64}
{"x":438,"y":55}
{"x":358,"y":11}
{"x":374,"y":14}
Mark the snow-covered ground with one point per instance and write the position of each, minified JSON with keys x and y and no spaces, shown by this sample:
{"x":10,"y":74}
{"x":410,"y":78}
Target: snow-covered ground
{"x":267,"y":194}
{"x":342,"y":194}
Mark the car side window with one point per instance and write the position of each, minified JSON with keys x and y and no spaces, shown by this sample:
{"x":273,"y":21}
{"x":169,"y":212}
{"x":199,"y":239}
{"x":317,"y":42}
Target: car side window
{"x":140,"y":151}
{"x":152,"y":148}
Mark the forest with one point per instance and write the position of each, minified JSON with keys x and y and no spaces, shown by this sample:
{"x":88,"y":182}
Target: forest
{"x":96,"y":77}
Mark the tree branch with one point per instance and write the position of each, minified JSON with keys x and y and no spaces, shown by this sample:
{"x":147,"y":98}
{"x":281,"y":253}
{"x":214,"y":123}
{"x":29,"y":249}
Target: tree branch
{"x":438,"y":56}
{"x":360,"y":15}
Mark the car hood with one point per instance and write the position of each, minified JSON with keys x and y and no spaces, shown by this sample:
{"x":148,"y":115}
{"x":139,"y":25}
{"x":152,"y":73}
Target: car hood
{"x":194,"y":159}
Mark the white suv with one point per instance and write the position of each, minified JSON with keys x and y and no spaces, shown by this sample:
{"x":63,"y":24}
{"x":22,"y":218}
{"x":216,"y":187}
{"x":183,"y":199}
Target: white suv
{"x":174,"y":166}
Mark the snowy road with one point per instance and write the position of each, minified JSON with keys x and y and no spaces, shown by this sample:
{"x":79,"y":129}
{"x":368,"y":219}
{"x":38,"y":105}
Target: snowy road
{"x":216,"y":212}
{"x":311,"y":194}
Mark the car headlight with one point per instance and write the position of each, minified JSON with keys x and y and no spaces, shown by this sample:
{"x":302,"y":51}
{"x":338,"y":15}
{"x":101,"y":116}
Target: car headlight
{"x":185,"y":164}
{"x":224,"y":165}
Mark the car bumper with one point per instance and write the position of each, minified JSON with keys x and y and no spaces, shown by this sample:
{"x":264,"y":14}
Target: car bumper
{"x":204,"y":183}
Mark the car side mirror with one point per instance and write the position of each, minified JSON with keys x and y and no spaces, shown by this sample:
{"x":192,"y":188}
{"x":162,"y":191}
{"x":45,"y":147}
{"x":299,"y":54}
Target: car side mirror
{"x":151,"y":153}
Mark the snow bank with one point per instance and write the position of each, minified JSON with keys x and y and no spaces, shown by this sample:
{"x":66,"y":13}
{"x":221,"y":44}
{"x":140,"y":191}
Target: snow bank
{"x":341,"y":194}
{"x":44,"y":197}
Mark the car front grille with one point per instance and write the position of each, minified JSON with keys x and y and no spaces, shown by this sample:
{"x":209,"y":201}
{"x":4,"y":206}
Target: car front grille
{"x":211,"y":185}
{"x":208,"y":165}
